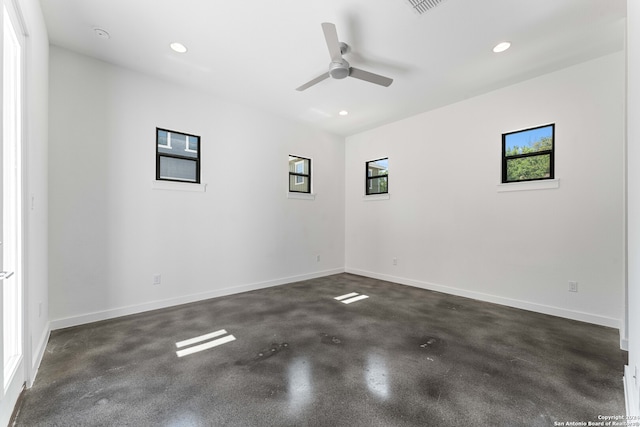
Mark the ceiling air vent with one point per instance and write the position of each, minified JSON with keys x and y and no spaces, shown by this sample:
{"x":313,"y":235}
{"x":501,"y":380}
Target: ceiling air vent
{"x":422,"y":6}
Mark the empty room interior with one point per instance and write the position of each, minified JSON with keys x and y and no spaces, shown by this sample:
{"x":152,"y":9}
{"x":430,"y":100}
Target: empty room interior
{"x":358,"y":213}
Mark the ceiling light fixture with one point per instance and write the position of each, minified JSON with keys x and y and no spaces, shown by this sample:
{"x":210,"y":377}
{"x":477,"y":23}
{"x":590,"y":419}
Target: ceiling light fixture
{"x":343,"y":113}
{"x":103,"y":34}
{"x":501,"y":47}
{"x":178,"y":47}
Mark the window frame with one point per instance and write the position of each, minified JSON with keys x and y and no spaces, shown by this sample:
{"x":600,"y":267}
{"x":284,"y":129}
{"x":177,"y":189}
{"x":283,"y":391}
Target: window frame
{"x":550,"y":153}
{"x":168,"y":144}
{"x":186,"y":145}
{"x":159,"y":155}
{"x":368,"y":182}
{"x":302,"y":175}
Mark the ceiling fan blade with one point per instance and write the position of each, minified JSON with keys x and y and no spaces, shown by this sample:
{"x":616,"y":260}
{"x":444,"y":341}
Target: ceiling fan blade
{"x":313,"y":81}
{"x":370,"y":77}
{"x":331,"y":37}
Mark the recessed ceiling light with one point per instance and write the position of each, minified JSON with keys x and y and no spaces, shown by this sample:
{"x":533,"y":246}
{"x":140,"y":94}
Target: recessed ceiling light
{"x":501,"y":47}
{"x":343,"y":113}
{"x":178,"y":47}
{"x":103,"y":34}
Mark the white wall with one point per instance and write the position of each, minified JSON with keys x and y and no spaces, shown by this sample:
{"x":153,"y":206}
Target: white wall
{"x":110,"y":232}
{"x":36,"y":188}
{"x":633,"y":203}
{"x":451,"y":230}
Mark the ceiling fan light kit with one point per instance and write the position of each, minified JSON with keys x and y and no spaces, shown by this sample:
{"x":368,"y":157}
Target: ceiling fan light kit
{"x":339,"y":68}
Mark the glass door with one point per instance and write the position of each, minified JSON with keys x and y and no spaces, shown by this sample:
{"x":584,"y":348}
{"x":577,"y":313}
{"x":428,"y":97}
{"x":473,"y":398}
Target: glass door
{"x":12,"y":375}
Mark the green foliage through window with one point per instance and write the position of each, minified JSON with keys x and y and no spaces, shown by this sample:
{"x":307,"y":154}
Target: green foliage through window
{"x":528,"y":154}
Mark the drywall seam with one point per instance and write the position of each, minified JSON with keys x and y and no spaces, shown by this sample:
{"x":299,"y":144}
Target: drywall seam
{"x":155,"y":305}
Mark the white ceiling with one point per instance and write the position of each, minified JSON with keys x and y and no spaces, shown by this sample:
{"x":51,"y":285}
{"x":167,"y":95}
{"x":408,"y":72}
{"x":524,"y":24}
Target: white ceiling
{"x":257,"y":52}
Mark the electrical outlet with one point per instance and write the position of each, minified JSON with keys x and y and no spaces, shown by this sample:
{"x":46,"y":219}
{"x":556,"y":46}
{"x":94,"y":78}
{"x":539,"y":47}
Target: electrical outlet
{"x":157,"y":279}
{"x":573,"y":286}
{"x":317,"y":258}
{"x":395,"y":261}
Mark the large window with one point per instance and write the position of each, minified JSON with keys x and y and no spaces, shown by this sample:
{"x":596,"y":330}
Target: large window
{"x":527,"y":155}
{"x":177,"y":156}
{"x":299,"y":174}
{"x":377,"y":176}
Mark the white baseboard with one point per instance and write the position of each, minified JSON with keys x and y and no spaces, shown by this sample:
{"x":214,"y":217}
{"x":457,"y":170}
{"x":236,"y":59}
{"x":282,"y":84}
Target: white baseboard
{"x":155,"y":305}
{"x":624,"y":344}
{"x":38,"y":354}
{"x":631,"y":394}
{"x":538,"y":308}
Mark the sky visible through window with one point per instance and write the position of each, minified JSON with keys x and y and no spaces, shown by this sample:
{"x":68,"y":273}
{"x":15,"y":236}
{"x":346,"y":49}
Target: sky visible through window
{"x":527,"y":138}
{"x":380,"y":164}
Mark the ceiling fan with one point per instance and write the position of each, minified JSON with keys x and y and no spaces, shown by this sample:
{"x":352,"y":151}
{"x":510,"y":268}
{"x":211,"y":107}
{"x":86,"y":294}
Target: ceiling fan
{"x":339,"y":68}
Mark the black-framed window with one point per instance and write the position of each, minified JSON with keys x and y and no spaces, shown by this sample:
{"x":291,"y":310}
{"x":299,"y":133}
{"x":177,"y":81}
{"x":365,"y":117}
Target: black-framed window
{"x":299,"y":174}
{"x":527,"y":155}
{"x":377,"y":176}
{"x":177,"y":156}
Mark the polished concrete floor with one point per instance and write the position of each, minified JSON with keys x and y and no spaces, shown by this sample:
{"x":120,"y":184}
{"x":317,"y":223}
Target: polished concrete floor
{"x":401,"y":357}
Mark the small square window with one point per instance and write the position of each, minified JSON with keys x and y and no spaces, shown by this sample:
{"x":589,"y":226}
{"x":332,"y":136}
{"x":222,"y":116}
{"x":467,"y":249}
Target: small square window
{"x":377,"y":176}
{"x":177,"y":156}
{"x":299,"y":174}
{"x":527,"y":155}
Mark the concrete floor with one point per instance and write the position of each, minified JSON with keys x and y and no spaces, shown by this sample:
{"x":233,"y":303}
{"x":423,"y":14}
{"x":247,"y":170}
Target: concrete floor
{"x":402,"y":357}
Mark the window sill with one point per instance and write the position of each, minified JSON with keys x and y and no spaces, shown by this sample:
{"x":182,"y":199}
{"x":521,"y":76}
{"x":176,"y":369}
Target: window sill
{"x":178,"y":186}
{"x":547,"y":184}
{"x":374,"y":197}
{"x":301,"y":196}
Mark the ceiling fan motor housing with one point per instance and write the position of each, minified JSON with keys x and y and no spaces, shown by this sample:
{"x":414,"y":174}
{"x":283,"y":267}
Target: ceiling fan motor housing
{"x":339,"y":69}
